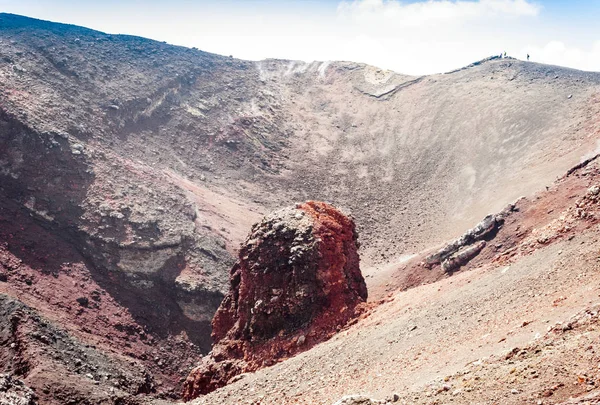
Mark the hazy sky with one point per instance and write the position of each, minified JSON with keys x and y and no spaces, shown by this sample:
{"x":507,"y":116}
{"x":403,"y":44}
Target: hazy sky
{"x":415,"y":37}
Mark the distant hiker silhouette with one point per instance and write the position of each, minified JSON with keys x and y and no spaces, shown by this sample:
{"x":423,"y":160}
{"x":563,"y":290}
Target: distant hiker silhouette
{"x":505,"y":54}
{"x":527,"y":56}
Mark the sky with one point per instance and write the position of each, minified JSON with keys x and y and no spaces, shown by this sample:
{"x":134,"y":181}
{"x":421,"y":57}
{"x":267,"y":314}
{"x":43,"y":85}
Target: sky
{"x":411,"y":37}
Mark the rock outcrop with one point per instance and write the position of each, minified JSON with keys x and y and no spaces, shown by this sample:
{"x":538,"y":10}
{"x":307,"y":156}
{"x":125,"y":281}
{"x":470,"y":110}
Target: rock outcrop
{"x":460,"y":251}
{"x":364,"y":400}
{"x":297,"y":281}
{"x":358,"y":400}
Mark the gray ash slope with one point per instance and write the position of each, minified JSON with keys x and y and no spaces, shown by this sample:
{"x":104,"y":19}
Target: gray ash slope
{"x":428,"y":157}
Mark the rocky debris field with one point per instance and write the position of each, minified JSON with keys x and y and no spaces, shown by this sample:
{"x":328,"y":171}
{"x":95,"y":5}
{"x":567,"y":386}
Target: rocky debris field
{"x":523,"y":374}
{"x":14,"y":392}
{"x":59,"y":367}
{"x":296,"y":283}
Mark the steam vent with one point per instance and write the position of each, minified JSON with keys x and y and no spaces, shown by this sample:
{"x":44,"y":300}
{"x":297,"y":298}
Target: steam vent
{"x":297,"y":281}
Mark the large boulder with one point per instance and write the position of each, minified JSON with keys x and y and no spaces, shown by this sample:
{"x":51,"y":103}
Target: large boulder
{"x":297,"y":282}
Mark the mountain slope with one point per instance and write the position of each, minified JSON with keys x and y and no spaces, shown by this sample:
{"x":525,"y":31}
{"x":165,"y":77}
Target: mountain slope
{"x":144,"y":165}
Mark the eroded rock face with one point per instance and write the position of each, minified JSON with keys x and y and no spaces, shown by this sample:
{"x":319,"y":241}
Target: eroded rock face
{"x":297,"y":281}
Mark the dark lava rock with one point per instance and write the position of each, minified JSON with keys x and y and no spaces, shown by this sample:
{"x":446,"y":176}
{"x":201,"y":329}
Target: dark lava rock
{"x":83,"y":301}
{"x":297,"y":281}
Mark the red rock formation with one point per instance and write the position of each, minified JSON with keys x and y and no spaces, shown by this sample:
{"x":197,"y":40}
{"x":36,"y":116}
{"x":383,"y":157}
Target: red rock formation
{"x":297,"y":282}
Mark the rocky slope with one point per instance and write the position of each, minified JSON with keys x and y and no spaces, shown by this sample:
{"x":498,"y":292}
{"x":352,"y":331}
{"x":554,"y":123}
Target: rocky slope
{"x":130,"y":171}
{"x":71,"y":332}
{"x":521,"y":326}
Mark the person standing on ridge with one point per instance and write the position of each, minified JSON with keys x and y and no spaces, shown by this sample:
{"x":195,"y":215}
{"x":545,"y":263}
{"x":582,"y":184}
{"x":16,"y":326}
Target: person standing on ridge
{"x":527,"y":56}
{"x":505,"y":54}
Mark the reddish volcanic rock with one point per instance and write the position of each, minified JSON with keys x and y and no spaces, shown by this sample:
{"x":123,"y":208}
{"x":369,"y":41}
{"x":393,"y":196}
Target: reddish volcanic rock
{"x":297,"y":281}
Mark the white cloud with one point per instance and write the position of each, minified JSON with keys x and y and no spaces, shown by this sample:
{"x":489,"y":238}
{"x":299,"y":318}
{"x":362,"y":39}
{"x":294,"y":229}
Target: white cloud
{"x":558,"y":53}
{"x":432,"y":12}
{"x":432,"y":36}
